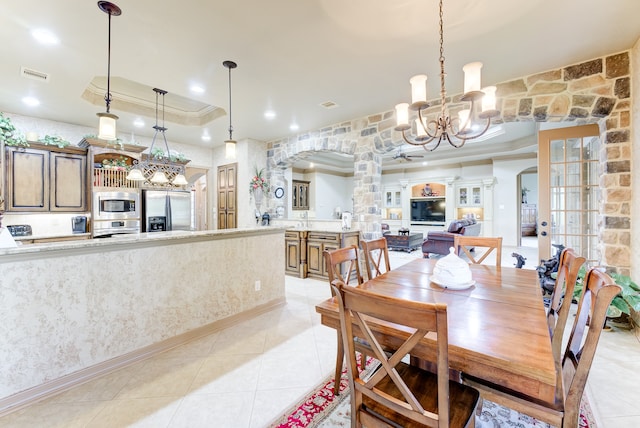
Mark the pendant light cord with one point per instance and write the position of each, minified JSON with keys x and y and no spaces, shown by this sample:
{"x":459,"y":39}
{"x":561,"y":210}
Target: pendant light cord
{"x":107,"y":97}
{"x":230,"y":117}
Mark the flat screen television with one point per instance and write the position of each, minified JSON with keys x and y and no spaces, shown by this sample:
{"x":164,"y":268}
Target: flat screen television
{"x":430,"y":210}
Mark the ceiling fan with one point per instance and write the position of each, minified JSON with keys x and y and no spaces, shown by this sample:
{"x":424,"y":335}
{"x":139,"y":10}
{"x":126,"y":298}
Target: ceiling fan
{"x":402,"y":155}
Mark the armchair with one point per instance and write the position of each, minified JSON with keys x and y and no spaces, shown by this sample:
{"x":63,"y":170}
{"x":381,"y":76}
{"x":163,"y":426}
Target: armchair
{"x":439,"y":242}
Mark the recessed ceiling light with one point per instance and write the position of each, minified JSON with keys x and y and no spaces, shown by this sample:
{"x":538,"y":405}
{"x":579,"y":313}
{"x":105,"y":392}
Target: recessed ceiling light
{"x":45,"y":37}
{"x":311,"y":164}
{"x":138,"y":123}
{"x":294,"y":127}
{"x":424,"y":163}
{"x":206,"y":136}
{"x":31,"y":101}
{"x":269,"y":114}
{"x":197,"y":89}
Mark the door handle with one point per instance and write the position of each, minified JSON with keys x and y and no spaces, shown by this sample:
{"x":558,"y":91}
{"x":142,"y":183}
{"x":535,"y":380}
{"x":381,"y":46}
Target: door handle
{"x":543,"y":233}
{"x":544,"y":223}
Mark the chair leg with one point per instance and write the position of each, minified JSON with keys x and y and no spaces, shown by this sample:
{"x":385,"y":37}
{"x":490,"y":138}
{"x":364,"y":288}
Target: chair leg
{"x":339,"y":362}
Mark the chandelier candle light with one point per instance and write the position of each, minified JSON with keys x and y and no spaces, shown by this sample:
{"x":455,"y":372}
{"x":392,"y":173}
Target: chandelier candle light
{"x":158,"y":170}
{"x":456,"y":131}
{"x":107,"y":125}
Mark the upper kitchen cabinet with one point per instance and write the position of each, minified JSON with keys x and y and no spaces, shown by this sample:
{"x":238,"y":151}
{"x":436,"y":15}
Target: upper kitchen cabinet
{"x":44,"y":178}
{"x":300,"y":195}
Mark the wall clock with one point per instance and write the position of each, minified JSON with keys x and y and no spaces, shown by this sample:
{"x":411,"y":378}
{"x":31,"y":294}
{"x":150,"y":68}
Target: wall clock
{"x":279,"y":192}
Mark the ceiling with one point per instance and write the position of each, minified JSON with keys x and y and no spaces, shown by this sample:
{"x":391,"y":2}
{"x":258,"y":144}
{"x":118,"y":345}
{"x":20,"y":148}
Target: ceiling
{"x":292,"y":56}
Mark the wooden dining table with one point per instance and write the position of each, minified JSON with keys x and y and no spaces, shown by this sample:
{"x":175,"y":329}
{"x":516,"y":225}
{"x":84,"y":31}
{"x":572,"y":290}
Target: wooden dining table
{"x":497,"y":327}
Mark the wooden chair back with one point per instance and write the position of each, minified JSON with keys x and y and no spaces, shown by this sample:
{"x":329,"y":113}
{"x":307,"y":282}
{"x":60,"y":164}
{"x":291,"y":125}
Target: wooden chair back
{"x":376,"y":253}
{"x":564,"y":411}
{"x":343,"y":265}
{"x":397,"y":391}
{"x":466,"y":244}
{"x":599,"y":290}
{"x":560,"y":302}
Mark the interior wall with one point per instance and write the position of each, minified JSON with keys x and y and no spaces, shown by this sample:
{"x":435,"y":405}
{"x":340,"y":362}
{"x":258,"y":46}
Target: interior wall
{"x":505,"y":197}
{"x":635,"y":177}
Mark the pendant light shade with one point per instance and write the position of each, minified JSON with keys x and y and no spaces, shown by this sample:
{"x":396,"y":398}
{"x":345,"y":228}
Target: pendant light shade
{"x":180,"y":180}
{"x":230,"y":144}
{"x":107,"y":124}
{"x":159,"y":178}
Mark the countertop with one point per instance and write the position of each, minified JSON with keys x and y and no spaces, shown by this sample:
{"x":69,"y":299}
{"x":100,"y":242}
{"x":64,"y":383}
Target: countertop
{"x":130,"y":240}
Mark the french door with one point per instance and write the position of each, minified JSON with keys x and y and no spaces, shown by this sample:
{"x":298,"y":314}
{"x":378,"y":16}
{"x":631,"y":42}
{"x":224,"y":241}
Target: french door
{"x":569,"y":191}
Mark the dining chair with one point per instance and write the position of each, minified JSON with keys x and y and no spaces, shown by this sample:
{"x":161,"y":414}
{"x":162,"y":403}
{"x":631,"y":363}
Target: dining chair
{"x":375,"y":253}
{"x":343,"y":265}
{"x":560,"y":302}
{"x":397,"y":393}
{"x":571,"y":376}
{"x":467,"y":244}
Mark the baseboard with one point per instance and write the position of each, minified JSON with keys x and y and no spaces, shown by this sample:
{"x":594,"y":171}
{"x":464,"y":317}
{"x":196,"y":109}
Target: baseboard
{"x":27,"y":397}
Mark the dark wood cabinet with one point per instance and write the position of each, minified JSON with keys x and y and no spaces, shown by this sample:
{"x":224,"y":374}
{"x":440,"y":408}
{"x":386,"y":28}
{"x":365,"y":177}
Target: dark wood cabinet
{"x":42,"y":179}
{"x":318,"y":242}
{"x":300,"y":195}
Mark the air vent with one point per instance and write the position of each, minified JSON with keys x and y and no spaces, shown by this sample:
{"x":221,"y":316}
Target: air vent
{"x":329,"y":104}
{"x":34,"y":74}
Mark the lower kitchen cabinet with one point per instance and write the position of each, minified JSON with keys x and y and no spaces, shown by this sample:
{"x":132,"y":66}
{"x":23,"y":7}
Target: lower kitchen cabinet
{"x":295,"y":242}
{"x":318,"y":242}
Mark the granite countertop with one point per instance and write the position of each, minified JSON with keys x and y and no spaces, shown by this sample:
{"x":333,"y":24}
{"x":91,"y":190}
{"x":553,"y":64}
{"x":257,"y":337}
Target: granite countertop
{"x":58,"y":236}
{"x":133,"y":240}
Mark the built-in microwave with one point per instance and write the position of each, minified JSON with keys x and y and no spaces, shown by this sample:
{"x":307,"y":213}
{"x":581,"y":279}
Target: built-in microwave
{"x":116,"y":212}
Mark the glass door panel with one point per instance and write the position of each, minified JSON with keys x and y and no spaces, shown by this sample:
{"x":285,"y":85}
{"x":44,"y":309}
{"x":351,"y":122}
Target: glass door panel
{"x":569,"y":167}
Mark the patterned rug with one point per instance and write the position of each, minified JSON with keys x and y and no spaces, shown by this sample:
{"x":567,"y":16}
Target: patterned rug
{"x":321,"y":409}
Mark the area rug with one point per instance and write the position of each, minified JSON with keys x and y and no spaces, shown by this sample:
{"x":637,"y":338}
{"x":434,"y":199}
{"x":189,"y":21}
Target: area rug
{"x":321,"y":409}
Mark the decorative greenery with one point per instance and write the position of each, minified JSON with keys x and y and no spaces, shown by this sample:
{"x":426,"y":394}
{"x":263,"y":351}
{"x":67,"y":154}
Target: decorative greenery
{"x":54,"y":141}
{"x":158,"y":153}
{"x":259,"y":182}
{"x":628,"y":299}
{"x":119,"y":163}
{"x":9,"y":134}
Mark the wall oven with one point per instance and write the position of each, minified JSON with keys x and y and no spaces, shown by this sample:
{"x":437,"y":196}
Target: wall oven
{"x":116,"y":212}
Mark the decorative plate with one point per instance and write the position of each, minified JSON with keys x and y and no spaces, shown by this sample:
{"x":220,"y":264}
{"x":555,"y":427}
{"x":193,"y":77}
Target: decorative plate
{"x":462,"y":286}
{"x":279,"y":193}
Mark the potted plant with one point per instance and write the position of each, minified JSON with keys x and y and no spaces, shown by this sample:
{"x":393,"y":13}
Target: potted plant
{"x":624,"y":303}
{"x":49,"y":140}
{"x":9,"y":134}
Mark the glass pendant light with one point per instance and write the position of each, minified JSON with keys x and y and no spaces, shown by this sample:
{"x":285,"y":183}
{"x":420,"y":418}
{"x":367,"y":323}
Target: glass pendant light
{"x":107,"y":124}
{"x":230,"y":144}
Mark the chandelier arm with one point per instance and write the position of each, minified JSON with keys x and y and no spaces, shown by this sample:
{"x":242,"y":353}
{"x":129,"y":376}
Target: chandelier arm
{"x":457,"y":146}
{"x":423,"y":124}
{"x":416,"y":143}
{"x":427,"y":149}
{"x":471,"y":137}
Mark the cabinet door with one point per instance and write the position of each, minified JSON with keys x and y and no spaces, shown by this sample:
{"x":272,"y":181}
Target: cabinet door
{"x":315,"y":259}
{"x":328,"y":247}
{"x":463,"y":196}
{"x":27,"y":180}
{"x":68,"y":182}
{"x":292,"y":256}
{"x":476,"y":195}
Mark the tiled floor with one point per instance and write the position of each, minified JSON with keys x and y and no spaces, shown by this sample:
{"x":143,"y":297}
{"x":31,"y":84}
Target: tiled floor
{"x":247,"y":375}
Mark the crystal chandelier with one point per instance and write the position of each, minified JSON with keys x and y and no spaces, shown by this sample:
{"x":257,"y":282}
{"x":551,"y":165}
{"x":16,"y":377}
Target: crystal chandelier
{"x":158,"y":171}
{"x":470,"y":123}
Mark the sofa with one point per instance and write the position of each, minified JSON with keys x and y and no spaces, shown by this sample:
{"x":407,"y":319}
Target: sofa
{"x":439,"y":242}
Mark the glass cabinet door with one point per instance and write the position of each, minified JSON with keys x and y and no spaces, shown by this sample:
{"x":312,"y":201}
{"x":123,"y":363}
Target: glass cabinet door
{"x":462,"y":196}
{"x":475,"y":195}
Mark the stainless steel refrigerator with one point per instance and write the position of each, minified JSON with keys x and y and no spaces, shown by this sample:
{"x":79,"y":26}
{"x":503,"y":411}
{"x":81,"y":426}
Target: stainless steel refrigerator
{"x":166,"y":210}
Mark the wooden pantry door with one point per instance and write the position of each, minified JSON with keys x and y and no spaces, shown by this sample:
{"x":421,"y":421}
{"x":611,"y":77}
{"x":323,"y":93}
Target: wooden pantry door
{"x":227,"y":196}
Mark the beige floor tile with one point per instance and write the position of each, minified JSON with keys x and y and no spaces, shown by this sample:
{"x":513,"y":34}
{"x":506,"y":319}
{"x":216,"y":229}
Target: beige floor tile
{"x":271,"y":404}
{"x":162,"y":378}
{"x":154,"y":412}
{"x":286,"y":370}
{"x":220,"y":374}
{"x":232,"y":410}
{"x":54,"y":415}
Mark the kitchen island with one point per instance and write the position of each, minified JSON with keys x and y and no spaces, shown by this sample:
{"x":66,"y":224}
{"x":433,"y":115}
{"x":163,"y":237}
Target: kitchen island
{"x":74,"y":310}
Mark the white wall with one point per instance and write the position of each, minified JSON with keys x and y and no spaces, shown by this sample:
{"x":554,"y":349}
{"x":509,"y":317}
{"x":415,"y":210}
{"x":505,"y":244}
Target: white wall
{"x":506,"y":201}
{"x":331,"y":191}
{"x":530,"y":181}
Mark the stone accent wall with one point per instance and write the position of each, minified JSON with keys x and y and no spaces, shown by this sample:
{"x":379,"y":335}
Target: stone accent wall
{"x":594,"y":91}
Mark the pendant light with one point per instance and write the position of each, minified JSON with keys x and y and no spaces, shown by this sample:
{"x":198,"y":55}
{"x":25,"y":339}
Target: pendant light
{"x":230,"y":144}
{"x":158,"y":169}
{"x":107,"y":125}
